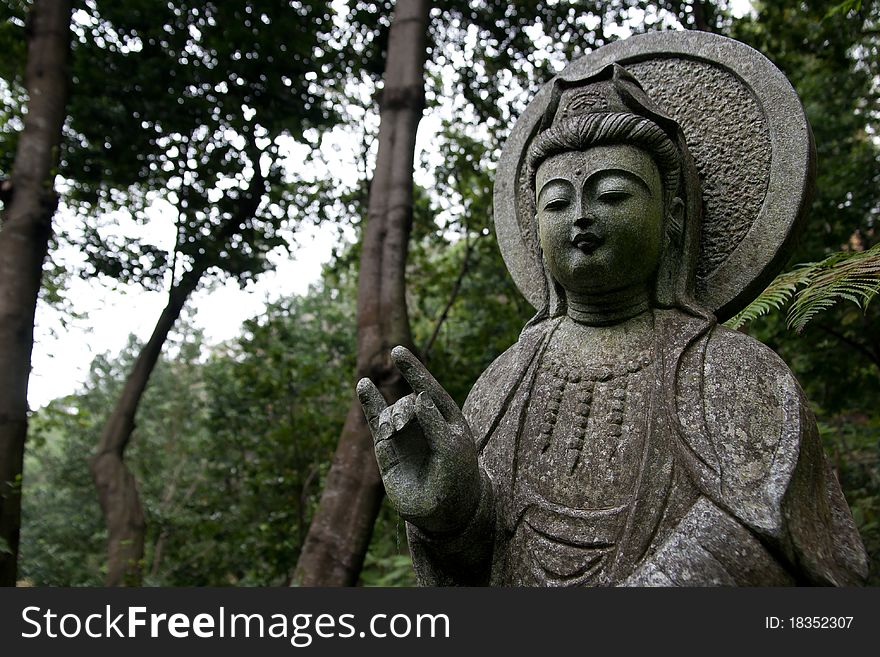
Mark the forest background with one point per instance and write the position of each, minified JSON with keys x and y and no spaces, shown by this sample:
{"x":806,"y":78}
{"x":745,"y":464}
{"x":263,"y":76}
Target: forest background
{"x":218,"y":112}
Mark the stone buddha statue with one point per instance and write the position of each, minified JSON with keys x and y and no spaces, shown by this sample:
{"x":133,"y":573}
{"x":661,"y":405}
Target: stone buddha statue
{"x":627,"y":438}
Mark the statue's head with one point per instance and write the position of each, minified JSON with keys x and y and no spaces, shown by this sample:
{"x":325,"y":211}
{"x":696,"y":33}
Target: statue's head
{"x":610,"y":174}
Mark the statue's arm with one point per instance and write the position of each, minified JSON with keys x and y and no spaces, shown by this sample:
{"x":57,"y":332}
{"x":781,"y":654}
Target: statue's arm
{"x":758,"y":460}
{"x":710,"y":548}
{"x":460,"y":559}
{"x":465,"y":558}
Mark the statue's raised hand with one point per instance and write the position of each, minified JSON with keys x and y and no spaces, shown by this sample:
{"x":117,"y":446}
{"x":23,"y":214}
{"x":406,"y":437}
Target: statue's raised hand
{"x":426,"y":453}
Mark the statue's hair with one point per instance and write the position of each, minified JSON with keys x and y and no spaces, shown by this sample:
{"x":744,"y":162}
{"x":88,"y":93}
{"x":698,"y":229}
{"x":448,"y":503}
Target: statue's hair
{"x":601,"y":129}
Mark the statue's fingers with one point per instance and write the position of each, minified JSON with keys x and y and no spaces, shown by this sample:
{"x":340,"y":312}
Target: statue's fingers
{"x":387,"y":455}
{"x":373,"y":403}
{"x":402,"y":412}
{"x":434,"y":426}
{"x":421,"y":380}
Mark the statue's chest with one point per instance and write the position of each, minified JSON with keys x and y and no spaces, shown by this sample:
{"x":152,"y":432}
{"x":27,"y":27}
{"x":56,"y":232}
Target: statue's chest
{"x":584,"y":434}
{"x":578,"y":463}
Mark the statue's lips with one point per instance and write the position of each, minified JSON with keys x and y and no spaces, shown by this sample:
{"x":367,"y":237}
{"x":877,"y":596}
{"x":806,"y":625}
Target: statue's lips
{"x":587,"y":242}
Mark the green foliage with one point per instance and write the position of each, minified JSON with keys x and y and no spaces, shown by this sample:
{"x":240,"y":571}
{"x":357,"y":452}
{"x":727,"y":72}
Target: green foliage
{"x":182,"y":101}
{"x":388,"y":562}
{"x":844,"y":8}
{"x":13,"y":17}
{"x":229,"y":452}
{"x":851,"y":441}
{"x":850,"y":275}
{"x":775,"y":296}
{"x":833,"y":61}
{"x":488,"y":58}
{"x":12,"y":95}
{"x":853,"y":276}
{"x":276,"y":403}
{"x":63,"y":530}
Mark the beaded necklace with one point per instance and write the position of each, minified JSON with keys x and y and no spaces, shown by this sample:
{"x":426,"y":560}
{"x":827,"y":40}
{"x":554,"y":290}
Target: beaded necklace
{"x":585,"y":379}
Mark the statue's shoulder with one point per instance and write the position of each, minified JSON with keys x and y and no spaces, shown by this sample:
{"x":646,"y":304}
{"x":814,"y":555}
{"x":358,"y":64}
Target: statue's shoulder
{"x":490,"y":394}
{"x":718,"y":369}
{"x":761,"y":457}
{"x":740,"y":360}
{"x":751,"y":399}
{"x":745,"y":419}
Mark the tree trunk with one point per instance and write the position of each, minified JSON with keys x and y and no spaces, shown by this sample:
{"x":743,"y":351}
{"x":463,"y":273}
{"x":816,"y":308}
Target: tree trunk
{"x":24,"y":239}
{"x":338,"y":537}
{"x":117,"y":489}
{"x":701,"y":22}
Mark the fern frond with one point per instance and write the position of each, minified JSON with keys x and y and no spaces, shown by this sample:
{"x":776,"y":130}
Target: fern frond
{"x":817,"y":286}
{"x":775,"y":296}
{"x":852,"y":276}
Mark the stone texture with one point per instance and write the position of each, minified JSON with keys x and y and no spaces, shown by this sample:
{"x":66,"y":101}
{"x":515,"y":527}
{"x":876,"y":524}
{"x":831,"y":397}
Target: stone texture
{"x":729,"y":138}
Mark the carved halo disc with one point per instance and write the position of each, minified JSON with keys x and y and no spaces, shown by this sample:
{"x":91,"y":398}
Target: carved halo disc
{"x":750,"y":141}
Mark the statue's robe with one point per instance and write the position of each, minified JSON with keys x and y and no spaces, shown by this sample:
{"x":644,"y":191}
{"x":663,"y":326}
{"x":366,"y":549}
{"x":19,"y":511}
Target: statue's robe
{"x":732,"y":486}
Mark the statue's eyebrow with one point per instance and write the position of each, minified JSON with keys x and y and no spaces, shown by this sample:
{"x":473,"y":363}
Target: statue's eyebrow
{"x":626,"y":173}
{"x":557,"y":181}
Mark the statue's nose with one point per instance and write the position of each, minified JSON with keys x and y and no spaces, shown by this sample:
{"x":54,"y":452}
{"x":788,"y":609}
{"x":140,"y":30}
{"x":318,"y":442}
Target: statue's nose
{"x":586,"y":220}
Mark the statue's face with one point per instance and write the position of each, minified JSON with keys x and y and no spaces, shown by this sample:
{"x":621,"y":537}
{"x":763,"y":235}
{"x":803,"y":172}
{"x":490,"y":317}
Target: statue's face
{"x":600,"y":217}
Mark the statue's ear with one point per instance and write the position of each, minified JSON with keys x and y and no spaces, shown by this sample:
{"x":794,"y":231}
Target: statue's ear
{"x":675,"y":220}
{"x":671,"y":255}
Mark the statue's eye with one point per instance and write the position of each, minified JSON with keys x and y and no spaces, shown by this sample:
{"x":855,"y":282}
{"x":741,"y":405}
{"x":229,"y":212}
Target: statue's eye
{"x":556,"y":204}
{"x":613,"y":196}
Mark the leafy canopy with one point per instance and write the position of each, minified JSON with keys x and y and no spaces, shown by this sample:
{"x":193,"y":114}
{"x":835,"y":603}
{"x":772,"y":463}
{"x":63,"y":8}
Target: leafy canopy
{"x":186,"y":103}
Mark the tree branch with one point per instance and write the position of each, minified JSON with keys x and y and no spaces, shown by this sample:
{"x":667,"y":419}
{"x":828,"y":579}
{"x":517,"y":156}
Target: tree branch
{"x":453,"y":295}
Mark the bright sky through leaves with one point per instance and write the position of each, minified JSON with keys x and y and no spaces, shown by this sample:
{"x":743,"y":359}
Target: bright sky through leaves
{"x":63,"y":352}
